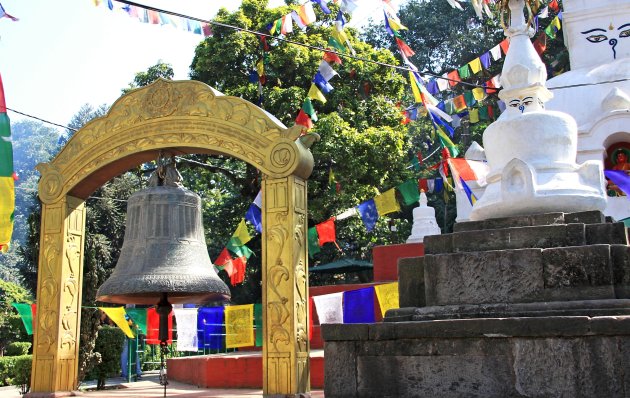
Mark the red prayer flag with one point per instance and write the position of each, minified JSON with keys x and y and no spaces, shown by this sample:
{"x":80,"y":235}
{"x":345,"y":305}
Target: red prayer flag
{"x":459,"y":102}
{"x":153,"y":327}
{"x":490,"y":112}
{"x":419,"y":155}
{"x":304,"y":120}
{"x":505,"y":44}
{"x":553,"y":4}
{"x":404,"y":48}
{"x":34,"y":311}
{"x":332,"y":57}
{"x":423,"y":184}
{"x":239,"y":266}
{"x":453,"y":77}
{"x":326,"y":231}
{"x":310,"y":318}
{"x":540,"y":44}
{"x":263,"y":39}
{"x":490,"y":87}
{"x":223,"y":258}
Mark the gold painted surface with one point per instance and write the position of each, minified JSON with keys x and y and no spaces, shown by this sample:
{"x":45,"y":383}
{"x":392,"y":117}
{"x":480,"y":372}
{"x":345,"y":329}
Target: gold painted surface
{"x":55,"y":353}
{"x":285,"y":287}
{"x":178,"y":117}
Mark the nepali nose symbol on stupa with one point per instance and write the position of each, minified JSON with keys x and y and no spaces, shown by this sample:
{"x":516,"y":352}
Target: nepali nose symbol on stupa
{"x":598,"y":35}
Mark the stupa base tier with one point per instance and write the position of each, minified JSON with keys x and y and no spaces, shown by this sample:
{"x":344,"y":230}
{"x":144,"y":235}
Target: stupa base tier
{"x":589,"y":308}
{"x":490,"y":357}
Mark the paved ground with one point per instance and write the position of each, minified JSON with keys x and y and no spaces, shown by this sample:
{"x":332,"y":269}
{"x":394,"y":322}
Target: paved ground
{"x":149,"y":387}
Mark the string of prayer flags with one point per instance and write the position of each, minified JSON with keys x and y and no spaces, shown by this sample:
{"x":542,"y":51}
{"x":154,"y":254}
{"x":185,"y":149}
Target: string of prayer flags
{"x":369,"y":214}
{"x":187,"y":338}
{"x":210,"y":328}
{"x":7,"y":176}
{"x":26,"y":313}
{"x":387,"y":295}
{"x":258,"y":324}
{"x":329,"y":308}
{"x":386,"y":203}
{"x":358,"y":306}
{"x":117,"y":315}
{"x":238,"y":326}
{"x":3,"y":14}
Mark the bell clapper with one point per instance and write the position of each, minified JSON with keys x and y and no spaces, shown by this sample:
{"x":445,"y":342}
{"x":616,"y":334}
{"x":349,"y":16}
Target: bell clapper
{"x":164,"y":308}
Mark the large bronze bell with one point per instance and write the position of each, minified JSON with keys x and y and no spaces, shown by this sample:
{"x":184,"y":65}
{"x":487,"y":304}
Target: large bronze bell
{"x":164,"y":251}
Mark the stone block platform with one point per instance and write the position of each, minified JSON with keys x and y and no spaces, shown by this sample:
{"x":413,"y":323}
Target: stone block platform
{"x":534,"y":306}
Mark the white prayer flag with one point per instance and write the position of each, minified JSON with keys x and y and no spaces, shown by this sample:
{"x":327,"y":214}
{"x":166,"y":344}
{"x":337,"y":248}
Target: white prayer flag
{"x":186,"y":319}
{"x":329,"y":308}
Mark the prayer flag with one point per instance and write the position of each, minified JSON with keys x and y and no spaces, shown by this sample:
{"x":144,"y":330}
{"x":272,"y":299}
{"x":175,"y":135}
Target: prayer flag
{"x":241,"y":235}
{"x":307,"y":107}
{"x":387,"y":203}
{"x":310,"y":318}
{"x":329,"y":308}
{"x":187,"y":338}
{"x":540,"y":44}
{"x":322,"y":5}
{"x":239,"y":330}
{"x":469,"y":98}
{"x":26,"y":313}
{"x":553,"y":4}
{"x":314,"y":93}
{"x":326,"y":70}
{"x":387,"y":295}
{"x":240,"y":251}
{"x":438,"y":185}
{"x":544,"y":13}
{"x":414,"y":88}
{"x":478,"y":93}
{"x":298,"y":20}
{"x":304,"y":120}
{"x":447,"y":143}
{"x":254,"y":216}
{"x":474,"y":116}
{"x":313,"y":242}
{"x":464,"y":72}
{"x":505,"y":45}
{"x":153,"y":327}
{"x":351,"y":212}
{"x":485,"y":59}
{"x":326,"y":231}
{"x":409,"y":192}
{"x":475,"y":65}
{"x":322,"y":83}
{"x":211,"y":330}
{"x":139,"y":318}
{"x":404,"y":48}
{"x":490,"y":112}
{"x":490,"y":87}
{"x":334,"y":43}
{"x":460,"y":103}
{"x":369,"y":214}
{"x":224,"y":258}
{"x":117,"y":315}
{"x":238,"y":275}
{"x":496,"y":52}
{"x":349,"y":6}
{"x":332,"y":57}
{"x":483,"y":113}
{"x":4,"y":14}
{"x":287,"y":24}
{"x":358,"y":306}
{"x":443,"y":83}
{"x":7,"y":176}
{"x":453,"y":77}
{"x":307,"y":14}
{"x":433,"y":87}
{"x":469,"y":193}
{"x":258,"y":324}
{"x":469,"y":170}
{"x":621,"y":179}
{"x":423,"y":185}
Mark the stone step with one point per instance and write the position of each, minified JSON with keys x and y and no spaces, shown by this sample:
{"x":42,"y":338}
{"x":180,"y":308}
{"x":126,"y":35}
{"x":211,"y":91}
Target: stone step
{"x":539,"y":236}
{"x":584,"y":217}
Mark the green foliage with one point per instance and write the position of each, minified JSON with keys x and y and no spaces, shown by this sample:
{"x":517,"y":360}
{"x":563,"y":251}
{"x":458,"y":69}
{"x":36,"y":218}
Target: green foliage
{"x":159,"y":70}
{"x":15,"y":370}
{"x":11,"y":326}
{"x":18,"y":348}
{"x":109,"y":345}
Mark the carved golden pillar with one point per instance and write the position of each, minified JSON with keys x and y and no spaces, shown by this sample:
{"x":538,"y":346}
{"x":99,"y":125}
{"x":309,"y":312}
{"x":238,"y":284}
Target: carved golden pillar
{"x":285,"y":287}
{"x":60,"y":275}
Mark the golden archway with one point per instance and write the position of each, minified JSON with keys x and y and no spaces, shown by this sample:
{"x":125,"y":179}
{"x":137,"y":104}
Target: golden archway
{"x":180,"y":117}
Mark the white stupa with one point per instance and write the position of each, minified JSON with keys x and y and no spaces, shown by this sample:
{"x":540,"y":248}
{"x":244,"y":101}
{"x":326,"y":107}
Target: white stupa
{"x":424,"y":222}
{"x":532,"y":152}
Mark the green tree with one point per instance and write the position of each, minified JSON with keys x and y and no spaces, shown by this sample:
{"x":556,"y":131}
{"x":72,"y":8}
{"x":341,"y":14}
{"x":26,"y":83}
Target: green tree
{"x":159,"y":70}
{"x":11,"y":326}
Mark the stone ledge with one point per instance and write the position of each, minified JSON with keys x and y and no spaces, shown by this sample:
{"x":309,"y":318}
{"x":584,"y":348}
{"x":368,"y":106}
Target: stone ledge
{"x":340,"y":331}
{"x":584,"y":217}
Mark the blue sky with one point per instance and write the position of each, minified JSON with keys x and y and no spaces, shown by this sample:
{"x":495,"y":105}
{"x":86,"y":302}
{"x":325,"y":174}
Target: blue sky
{"x":62,"y":54}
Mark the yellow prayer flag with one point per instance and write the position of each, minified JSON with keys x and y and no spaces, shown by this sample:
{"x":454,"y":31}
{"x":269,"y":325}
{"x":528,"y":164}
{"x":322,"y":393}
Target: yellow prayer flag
{"x":474,"y":115}
{"x":7,"y":207}
{"x":339,"y":35}
{"x":395,"y":25}
{"x":475,"y":65}
{"x":239,"y":326}
{"x":479,"y":93}
{"x":117,"y":315}
{"x":260,"y":67}
{"x":242,"y":233}
{"x":387,"y":295}
{"x":315,"y":94}
{"x":556,"y":23}
{"x":387,"y":203}
{"x":414,"y":88}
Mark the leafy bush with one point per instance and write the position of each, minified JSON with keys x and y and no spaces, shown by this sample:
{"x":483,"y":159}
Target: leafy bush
{"x":7,"y":364}
{"x":109,"y":345}
{"x":22,"y":373}
{"x":18,"y":348}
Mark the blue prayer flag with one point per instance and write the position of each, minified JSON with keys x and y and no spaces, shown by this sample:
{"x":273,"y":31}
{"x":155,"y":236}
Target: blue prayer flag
{"x":439,"y":185}
{"x":211,"y":328}
{"x":621,"y":179}
{"x":369,"y":214}
{"x":358,"y":306}
{"x":254,"y":216}
{"x":321,"y":83}
{"x":322,"y":5}
{"x":485,"y":59}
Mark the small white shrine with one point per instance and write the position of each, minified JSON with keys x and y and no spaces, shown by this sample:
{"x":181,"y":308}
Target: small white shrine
{"x":424,"y":222}
{"x":596,"y":91}
{"x":532,"y":151}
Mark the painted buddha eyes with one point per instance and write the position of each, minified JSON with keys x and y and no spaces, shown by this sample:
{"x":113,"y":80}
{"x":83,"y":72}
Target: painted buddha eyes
{"x":521,"y":104}
{"x":625,"y":33}
{"x":596,"y":38}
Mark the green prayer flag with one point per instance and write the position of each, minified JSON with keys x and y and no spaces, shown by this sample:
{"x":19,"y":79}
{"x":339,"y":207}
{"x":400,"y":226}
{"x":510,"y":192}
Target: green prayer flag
{"x":409,"y":191}
{"x":307,"y":107}
{"x":239,"y":251}
{"x":334,"y":43}
{"x":26,"y":313}
{"x":415,"y":163}
{"x":139,"y":317}
{"x":258,"y":324}
{"x":483,"y":113}
{"x":450,"y":107}
{"x":550,"y":31}
{"x":313,"y":242}
{"x":469,"y":98}
{"x":464,"y":71}
{"x":6,"y":148}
